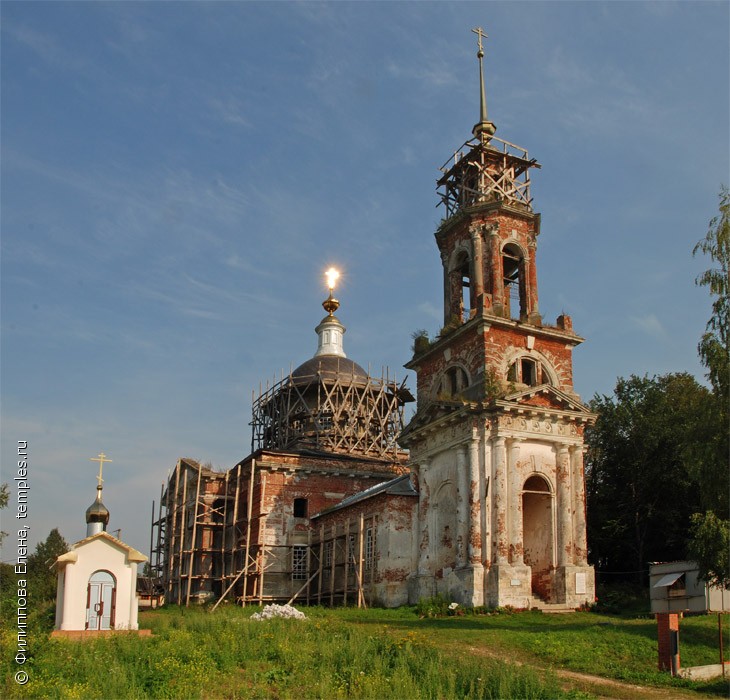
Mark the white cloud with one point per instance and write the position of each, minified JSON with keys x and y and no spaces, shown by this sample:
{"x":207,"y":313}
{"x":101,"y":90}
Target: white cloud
{"x":649,"y":324}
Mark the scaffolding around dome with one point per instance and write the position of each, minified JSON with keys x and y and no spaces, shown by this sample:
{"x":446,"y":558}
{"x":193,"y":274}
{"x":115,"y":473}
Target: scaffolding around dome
{"x":330,"y":404}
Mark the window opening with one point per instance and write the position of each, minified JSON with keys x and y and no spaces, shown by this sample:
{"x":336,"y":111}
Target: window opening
{"x":529,"y":371}
{"x":299,"y":562}
{"x":453,"y":381}
{"x":328,"y":555}
{"x":465,"y":286}
{"x":300,"y":507}
{"x":512,"y":272}
{"x":679,"y":588}
{"x":536,"y":484}
{"x":369,"y":548}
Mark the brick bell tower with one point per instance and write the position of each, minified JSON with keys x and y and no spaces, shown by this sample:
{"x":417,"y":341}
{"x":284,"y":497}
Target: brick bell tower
{"x":497,"y":439}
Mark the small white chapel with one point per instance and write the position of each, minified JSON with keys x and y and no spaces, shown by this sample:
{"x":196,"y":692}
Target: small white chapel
{"x":97,"y":577}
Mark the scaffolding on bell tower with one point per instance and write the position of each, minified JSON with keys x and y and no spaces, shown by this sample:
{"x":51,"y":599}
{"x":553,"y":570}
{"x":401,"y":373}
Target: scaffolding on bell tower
{"x":486,"y":168}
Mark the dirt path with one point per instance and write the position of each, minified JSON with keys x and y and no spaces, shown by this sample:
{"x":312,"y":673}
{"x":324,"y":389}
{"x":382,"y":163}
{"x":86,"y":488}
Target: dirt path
{"x":597,"y":685}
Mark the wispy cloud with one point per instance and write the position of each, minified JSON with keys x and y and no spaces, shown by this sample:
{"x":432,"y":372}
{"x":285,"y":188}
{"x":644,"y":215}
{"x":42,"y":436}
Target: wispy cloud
{"x":650,"y":325}
{"x":44,"y":46}
{"x":434,"y":75}
{"x":431,"y":310}
{"x":230,"y":110}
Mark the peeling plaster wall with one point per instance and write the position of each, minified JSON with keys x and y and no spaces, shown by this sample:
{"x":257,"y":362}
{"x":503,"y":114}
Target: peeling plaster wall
{"x":392,"y":517}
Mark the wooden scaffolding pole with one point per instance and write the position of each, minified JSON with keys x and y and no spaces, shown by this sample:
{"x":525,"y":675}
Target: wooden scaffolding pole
{"x":360,"y":591}
{"x":333,"y":563}
{"x":161,"y":536}
{"x":262,"y":537}
{"x":371,"y":560}
{"x":249,"y":509}
{"x":309,"y":562}
{"x":181,"y":563}
{"x":193,"y":539}
{"x":346,"y":582}
{"x":319,"y":564}
{"x":171,"y":517}
{"x":234,"y":523}
{"x":224,"y":533}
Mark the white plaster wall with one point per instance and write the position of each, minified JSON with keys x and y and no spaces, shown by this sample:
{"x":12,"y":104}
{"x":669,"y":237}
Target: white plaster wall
{"x":93,"y":556}
{"x":395,"y":552}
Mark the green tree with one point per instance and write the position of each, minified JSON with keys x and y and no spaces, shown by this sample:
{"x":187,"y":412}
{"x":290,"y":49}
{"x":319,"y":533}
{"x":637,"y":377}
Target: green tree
{"x":641,"y":477}
{"x":710,"y":547}
{"x":4,"y":497}
{"x":714,"y":344}
{"x":41,"y":579}
{"x":710,"y":542}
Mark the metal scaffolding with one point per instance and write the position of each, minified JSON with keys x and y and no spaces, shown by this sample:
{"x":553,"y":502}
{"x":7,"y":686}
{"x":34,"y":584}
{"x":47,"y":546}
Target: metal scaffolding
{"x":212,"y":544}
{"x":330,"y":410}
{"x":480,"y":172}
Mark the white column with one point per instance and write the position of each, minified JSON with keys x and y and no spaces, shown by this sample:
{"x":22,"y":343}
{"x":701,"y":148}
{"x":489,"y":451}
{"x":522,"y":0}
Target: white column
{"x":133,"y":604}
{"x":579,"y":495}
{"x":447,"y":287}
{"x":462,"y":505}
{"x":475,"y":532}
{"x":422,"y":537}
{"x":515,"y":506}
{"x":562,"y":477}
{"x":415,"y":520}
{"x":485,"y":495}
{"x":69,"y":596}
{"x":499,"y":501}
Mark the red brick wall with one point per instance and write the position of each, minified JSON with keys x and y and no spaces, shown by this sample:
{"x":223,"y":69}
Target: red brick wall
{"x":666,"y":624}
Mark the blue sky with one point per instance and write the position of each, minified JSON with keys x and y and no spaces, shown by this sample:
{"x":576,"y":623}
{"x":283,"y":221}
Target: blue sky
{"x":177,"y":176}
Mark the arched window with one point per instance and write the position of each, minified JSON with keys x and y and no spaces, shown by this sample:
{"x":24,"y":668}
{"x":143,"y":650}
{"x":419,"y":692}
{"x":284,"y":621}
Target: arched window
{"x":453,"y":381}
{"x":462,"y":275}
{"x":515,"y":289}
{"x":529,"y":371}
{"x":536,"y":484}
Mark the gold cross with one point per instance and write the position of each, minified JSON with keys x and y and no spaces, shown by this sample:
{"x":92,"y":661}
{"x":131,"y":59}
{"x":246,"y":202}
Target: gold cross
{"x":480,"y":33}
{"x":101,"y":459}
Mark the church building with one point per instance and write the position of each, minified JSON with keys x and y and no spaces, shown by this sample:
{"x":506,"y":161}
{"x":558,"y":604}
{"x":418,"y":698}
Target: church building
{"x":496,"y":444}
{"x":486,"y":506}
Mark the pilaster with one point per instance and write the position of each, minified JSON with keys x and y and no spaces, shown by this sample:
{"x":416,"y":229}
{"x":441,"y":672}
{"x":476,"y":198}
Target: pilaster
{"x":562,"y":477}
{"x":477,"y":268}
{"x":579,"y":500}
{"x":499,"y":501}
{"x":495,"y":251}
{"x":462,"y":505}
{"x":516,"y":546}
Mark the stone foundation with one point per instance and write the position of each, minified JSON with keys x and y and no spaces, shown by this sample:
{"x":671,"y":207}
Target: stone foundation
{"x":509,"y":584}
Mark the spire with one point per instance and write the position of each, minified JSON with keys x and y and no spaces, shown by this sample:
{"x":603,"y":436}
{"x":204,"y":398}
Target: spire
{"x":330,"y":330}
{"x":483,"y":129}
{"x":97,"y":515}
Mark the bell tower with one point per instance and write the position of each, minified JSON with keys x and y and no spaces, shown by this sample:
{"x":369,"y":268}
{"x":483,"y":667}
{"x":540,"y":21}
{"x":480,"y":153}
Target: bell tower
{"x":488,"y":237}
{"x":497,"y":439}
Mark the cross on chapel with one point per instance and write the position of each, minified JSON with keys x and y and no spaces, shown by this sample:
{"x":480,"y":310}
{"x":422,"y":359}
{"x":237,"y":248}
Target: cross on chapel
{"x":101,"y":459}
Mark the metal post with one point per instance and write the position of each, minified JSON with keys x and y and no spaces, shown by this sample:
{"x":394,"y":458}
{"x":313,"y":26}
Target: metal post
{"x":722,"y":655}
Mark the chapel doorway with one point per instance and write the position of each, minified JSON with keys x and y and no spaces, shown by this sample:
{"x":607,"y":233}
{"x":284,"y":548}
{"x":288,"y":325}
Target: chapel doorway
{"x":537,"y":520}
{"x":101,"y":598}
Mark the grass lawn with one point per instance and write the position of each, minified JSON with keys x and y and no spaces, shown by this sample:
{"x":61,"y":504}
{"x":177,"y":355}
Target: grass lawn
{"x":349,"y":653}
{"x":602,"y":645}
